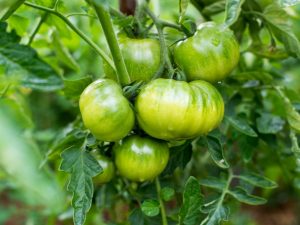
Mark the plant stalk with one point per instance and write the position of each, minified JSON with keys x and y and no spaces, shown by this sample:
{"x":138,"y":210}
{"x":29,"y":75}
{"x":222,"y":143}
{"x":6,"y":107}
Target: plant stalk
{"x":104,"y":17}
{"x":161,"y":203}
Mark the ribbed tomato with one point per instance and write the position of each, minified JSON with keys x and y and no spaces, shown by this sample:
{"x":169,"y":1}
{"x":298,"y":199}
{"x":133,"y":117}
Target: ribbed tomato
{"x":210,"y":55}
{"x":141,"y":158}
{"x":141,"y":56}
{"x":105,"y":111}
{"x":173,"y":110}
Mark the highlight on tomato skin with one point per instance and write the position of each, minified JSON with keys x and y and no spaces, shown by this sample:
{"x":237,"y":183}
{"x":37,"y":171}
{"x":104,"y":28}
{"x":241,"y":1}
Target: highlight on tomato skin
{"x":108,"y":169}
{"x":105,"y":111}
{"x":173,"y":110}
{"x":141,"y":158}
{"x":210,"y":54}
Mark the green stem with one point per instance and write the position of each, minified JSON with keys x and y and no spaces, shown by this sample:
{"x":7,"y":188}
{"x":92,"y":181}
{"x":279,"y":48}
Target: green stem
{"x":104,"y":17}
{"x":164,"y":58}
{"x":76,"y":30}
{"x":37,"y":28}
{"x":161,"y":203}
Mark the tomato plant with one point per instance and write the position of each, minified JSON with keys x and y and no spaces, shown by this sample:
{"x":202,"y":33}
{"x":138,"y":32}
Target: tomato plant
{"x":173,"y":110}
{"x":141,"y":158}
{"x":149,"y":112}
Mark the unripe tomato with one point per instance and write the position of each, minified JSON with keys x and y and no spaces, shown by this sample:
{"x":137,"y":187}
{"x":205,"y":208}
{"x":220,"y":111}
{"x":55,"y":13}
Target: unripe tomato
{"x":141,"y":56}
{"x":105,"y":111}
{"x":108,"y":169}
{"x":173,"y":110}
{"x":210,"y":55}
{"x":141,"y":158}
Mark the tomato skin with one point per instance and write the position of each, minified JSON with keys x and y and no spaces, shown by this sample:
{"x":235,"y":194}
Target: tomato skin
{"x":105,"y":111}
{"x":210,"y":55}
{"x":108,"y":170}
{"x":141,"y":158}
{"x":141,"y":56}
{"x":173,"y":110}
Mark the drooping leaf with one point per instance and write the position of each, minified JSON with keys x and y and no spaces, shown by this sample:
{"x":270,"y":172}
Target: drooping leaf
{"x":269,"y":124}
{"x":83,"y":167}
{"x":257,"y":180}
{"x":192,"y":200}
{"x":276,"y":19}
{"x":23,"y":62}
{"x":216,"y":151}
{"x":183,"y":5}
{"x":233,"y":10}
{"x":241,"y":125}
{"x":73,"y":88}
{"x":213,"y":182}
{"x":179,"y":157}
{"x":150,"y":207}
{"x":242,"y":196}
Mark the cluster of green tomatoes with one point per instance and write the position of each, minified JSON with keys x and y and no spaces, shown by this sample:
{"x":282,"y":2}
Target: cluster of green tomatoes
{"x":164,"y":109}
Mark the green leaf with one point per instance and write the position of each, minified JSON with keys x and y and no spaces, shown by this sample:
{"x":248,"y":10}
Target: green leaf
{"x":247,"y":146}
{"x":213,"y":182}
{"x":179,"y":157}
{"x":150,"y":208}
{"x":214,"y":8}
{"x":23,"y":62}
{"x":276,"y":19}
{"x":242,"y":196}
{"x":136,"y":217}
{"x":257,"y":180}
{"x":183,"y":5}
{"x":269,"y":124}
{"x":83,"y":167}
{"x":295,"y":146}
{"x":7,"y":8}
{"x":216,"y":151}
{"x":233,"y":10}
{"x":192,"y":200}
{"x":167,"y":193}
{"x":74,"y":88}
{"x":262,"y":76}
{"x":218,"y":215}
{"x":241,"y":125}
{"x":62,"y":53}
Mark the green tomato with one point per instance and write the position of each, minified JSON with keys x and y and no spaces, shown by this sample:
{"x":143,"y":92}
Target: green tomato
{"x":210,"y":55}
{"x":141,"y":158}
{"x":105,"y":111}
{"x":173,"y":110}
{"x":141,"y":56}
{"x":108,"y":170}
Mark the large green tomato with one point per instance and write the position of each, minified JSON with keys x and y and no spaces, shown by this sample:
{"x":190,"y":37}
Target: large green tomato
{"x":108,"y":170}
{"x":210,"y":55}
{"x":141,"y":158}
{"x":141,"y":56}
{"x":173,"y":110}
{"x":105,"y":111}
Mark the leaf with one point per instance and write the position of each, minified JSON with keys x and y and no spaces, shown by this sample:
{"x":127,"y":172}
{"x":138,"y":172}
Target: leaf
{"x":218,"y":215}
{"x":62,"y":53}
{"x":213,"y":182}
{"x":167,"y":193}
{"x":179,"y":157}
{"x":262,"y":76}
{"x":247,"y":146}
{"x":276,"y":19}
{"x":192,"y":200}
{"x":7,"y":8}
{"x":150,"y":208}
{"x":214,"y":8}
{"x":183,"y":5}
{"x":232,"y":11}
{"x":295,"y":146}
{"x":74,"y":88}
{"x":136,"y":217}
{"x":257,"y":180}
{"x":23,"y":62}
{"x":83,"y":167}
{"x":216,"y":151}
{"x":242,"y":196}
{"x":269,"y":124}
{"x":241,"y":125}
